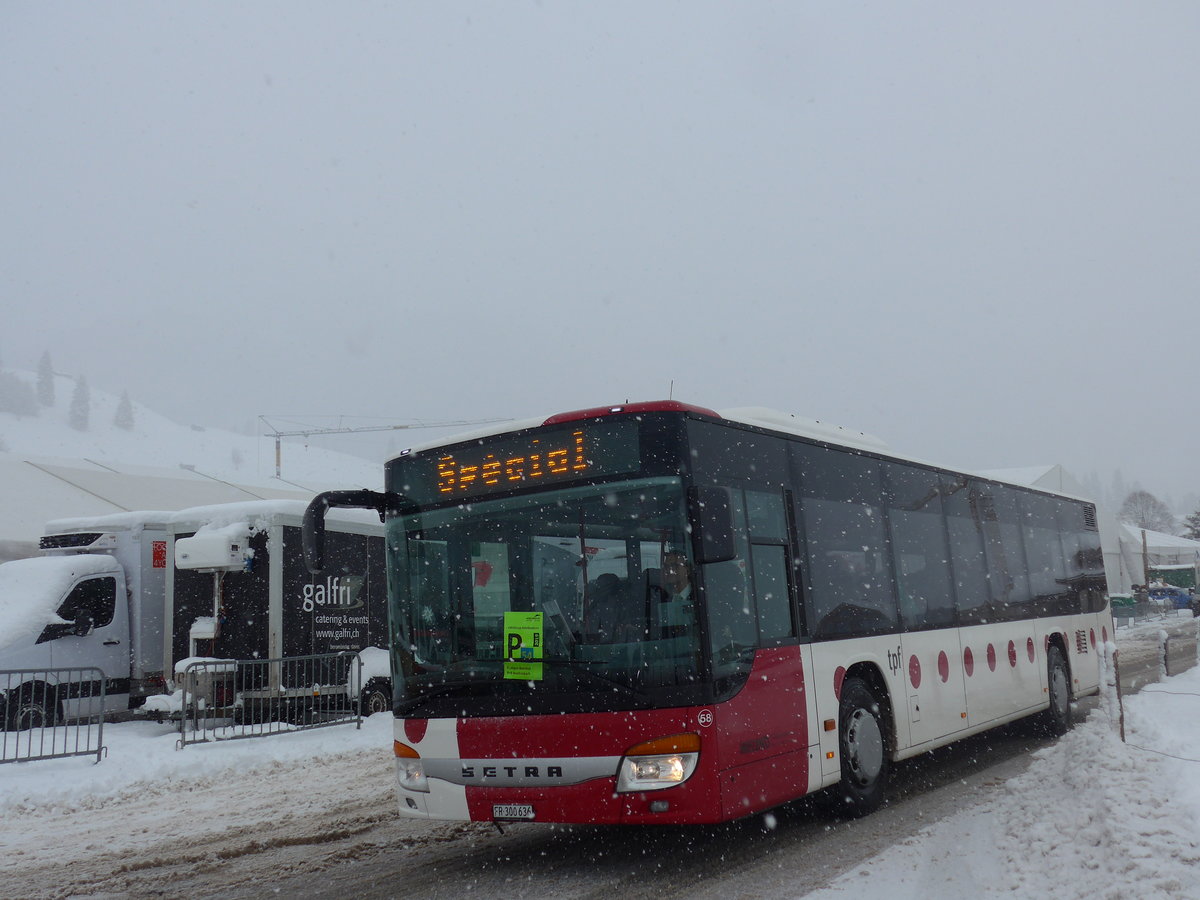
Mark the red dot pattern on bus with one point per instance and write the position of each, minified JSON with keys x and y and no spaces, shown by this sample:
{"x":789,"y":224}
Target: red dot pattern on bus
{"x":414,"y":729}
{"x":968,"y":658}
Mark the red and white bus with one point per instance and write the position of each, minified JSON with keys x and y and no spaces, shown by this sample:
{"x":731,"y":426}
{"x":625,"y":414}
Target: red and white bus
{"x":655,"y":613}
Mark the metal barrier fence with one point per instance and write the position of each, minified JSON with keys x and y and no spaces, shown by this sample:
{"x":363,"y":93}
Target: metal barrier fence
{"x":226,"y":699}
{"x":50,"y":713}
{"x":1145,"y":611}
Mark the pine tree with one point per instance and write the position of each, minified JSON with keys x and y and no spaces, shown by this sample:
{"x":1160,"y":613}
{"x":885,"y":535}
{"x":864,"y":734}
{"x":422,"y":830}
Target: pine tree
{"x":81,"y":405}
{"x":124,"y":416}
{"x":1191,"y":526}
{"x":45,"y":382}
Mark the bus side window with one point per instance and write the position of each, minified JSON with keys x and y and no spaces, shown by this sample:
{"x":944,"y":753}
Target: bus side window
{"x":1085,"y":556}
{"x":771,"y":591}
{"x":732,"y":617}
{"x":1005,"y":552}
{"x":1046,"y":555}
{"x":767,"y":520}
{"x":972,"y":589}
{"x":922,"y":556}
{"x":849,"y":579}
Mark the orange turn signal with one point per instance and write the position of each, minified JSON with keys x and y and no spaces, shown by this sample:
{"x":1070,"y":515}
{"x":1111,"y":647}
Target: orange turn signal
{"x":404,"y":751}
{"x":676,"y":743}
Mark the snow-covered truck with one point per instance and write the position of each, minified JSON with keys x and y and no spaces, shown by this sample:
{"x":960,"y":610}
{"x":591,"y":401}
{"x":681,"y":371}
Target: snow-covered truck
{"x":138,"y":594}
{"x":238,"y":589}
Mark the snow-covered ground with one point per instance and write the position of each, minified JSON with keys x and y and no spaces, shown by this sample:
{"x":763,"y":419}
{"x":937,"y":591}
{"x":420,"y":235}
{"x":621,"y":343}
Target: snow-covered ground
{"x":1092,"y":817}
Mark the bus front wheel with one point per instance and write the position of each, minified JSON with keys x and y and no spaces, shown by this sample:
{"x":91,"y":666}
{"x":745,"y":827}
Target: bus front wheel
{"x":863,"y":742}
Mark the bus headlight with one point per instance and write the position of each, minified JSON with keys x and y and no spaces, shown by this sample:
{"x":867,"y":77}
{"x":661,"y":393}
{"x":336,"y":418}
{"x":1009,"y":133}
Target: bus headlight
{"x":410,"y":771}
{"x":658,"y":764}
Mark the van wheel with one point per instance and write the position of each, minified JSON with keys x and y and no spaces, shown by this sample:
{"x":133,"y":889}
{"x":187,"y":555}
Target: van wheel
{"x":864,"y":744}
{"x":376,"y":697}
{"x":35,"y":707}
{"x":1056,"y":720}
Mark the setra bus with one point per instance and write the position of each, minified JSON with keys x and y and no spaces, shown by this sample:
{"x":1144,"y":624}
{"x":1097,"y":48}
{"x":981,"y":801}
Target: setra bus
{"x":654,"y":613}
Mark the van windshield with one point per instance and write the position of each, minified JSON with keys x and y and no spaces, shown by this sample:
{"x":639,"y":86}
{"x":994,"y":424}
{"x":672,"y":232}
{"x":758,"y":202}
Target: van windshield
{"x":32,"y":589}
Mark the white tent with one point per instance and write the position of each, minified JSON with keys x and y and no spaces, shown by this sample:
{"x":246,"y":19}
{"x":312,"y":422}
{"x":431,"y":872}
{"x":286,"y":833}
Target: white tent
{"x":1141,"y":548}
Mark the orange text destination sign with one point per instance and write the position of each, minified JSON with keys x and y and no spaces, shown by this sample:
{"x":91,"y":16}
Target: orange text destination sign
{"x":542,"y":459}
{"x":514,"y":461}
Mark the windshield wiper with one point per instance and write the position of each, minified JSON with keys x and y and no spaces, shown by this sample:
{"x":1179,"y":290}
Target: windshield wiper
{"x":439,"y":689}
{"x":579,"y":665}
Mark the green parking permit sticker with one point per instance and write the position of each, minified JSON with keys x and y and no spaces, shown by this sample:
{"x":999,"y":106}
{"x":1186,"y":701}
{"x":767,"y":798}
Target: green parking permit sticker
{"x":523,"y":645}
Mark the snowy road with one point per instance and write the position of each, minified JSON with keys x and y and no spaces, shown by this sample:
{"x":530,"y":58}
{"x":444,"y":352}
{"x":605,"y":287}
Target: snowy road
{"x":313,"y":823}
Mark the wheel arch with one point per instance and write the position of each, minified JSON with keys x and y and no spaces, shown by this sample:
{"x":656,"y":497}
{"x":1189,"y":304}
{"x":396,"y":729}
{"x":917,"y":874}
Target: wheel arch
{"x":1059,"y":640}
{"x":870,"y":673}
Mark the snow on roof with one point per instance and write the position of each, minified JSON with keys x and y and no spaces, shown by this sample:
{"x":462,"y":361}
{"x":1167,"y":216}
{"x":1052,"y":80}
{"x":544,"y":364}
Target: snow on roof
{"x":759,"y":416}
{"x":116,"y":522}
{"x":1050,"y":478}
{"x":775,"y":420}
{"x":259,"y":513}
{"x":30,"y":591}
{"x":1158,"y":540}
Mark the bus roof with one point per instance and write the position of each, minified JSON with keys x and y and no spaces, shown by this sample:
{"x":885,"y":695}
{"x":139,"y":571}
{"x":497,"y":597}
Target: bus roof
{"x":755,"y":416}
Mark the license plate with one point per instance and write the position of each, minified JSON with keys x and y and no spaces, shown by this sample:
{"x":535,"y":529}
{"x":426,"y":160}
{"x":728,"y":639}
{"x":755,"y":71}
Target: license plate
{"x":512,"y":811}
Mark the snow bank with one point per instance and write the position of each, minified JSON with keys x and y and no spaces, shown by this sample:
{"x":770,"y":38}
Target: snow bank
{"x":143,"y":761}
{"x":1091,"y":818}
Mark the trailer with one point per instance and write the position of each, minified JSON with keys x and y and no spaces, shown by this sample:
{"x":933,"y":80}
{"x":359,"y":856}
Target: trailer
{"x":238,"y":589}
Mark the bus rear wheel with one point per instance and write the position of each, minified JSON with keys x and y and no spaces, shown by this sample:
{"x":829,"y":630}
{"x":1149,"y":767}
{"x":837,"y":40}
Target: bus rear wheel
{"x":1056,"y":720}
{"x":864,"y":747}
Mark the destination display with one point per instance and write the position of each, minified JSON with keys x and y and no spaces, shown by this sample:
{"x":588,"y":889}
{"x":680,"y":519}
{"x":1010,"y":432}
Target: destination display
{"x":493,"y":465}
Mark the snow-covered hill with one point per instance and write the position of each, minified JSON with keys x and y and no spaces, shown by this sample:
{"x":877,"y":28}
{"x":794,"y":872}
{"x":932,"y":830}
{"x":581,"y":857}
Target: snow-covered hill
{"x":50,"y":469}
{"x":156,"y":440}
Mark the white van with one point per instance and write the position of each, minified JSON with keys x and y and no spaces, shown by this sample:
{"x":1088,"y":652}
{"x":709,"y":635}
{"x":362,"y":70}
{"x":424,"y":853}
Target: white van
{"x":94,"y":600}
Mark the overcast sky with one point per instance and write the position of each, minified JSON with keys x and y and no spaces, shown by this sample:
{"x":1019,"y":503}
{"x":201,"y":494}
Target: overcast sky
{"x":970,"y":229}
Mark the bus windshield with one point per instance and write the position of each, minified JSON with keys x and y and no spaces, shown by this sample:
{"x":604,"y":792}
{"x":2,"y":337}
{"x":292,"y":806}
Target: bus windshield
{"x":585,"y":591}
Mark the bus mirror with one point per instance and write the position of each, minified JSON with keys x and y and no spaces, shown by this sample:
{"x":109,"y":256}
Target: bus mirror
{"x":713,"y":521}
{"x":312,"y":532}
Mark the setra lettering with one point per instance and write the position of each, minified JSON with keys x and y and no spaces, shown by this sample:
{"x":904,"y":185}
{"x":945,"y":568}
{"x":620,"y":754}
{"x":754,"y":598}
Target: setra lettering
{"x":482,"y":772}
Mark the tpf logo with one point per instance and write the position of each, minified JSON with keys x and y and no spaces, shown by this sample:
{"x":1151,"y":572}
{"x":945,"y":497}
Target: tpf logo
{"x":339,"y":592}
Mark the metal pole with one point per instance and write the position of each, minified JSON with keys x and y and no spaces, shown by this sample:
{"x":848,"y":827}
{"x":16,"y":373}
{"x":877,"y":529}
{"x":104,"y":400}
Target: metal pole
{"x":1116,"y":667}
